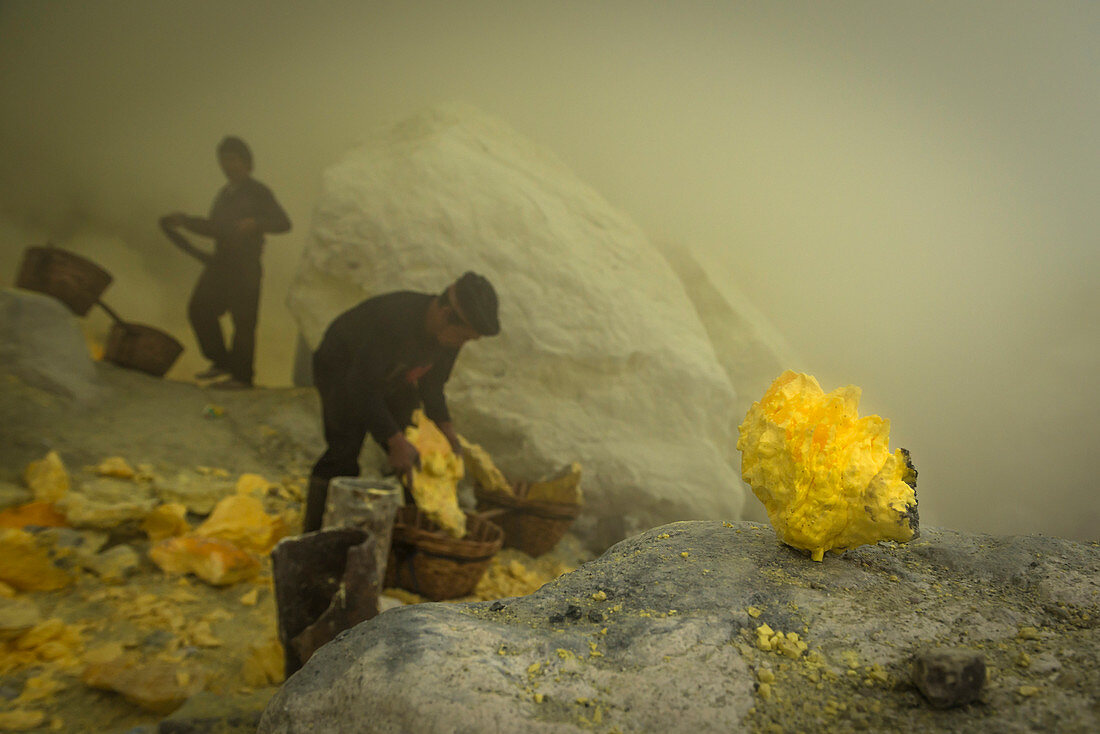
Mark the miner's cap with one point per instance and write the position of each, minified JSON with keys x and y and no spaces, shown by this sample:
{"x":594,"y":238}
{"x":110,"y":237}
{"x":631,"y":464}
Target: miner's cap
{"x":478,"y":301}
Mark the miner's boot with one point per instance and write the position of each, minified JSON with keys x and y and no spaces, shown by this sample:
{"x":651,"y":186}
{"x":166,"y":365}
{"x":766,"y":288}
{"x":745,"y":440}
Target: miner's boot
{"x":315,"y":504}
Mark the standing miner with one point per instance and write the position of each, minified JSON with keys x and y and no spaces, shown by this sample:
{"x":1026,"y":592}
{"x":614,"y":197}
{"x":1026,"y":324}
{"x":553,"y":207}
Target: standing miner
{"x":243,"y":211}
{"x":378,"y":362}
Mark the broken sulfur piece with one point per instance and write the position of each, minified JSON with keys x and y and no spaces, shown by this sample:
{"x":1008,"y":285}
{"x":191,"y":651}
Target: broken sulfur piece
{"x":435,"y":483}
{"x":825,"y":475}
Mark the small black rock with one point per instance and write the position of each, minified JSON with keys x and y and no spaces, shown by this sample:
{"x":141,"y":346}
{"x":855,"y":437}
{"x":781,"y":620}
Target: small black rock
{"x":497,"y":606}
{"x":595,"y":616}
{"x":573,"y":612}
{"x":556,"y":619}
{"x":949,"y":677}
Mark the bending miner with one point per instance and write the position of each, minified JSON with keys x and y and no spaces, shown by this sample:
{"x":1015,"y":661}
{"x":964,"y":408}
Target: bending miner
{"x":243,"y":211}
{"x":378,"y":362}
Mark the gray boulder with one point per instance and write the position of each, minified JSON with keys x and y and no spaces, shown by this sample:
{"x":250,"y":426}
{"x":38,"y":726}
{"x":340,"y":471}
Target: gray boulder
{"x":42,"y":345}
{"x":602,"y":358}
{"x":706,"y":627}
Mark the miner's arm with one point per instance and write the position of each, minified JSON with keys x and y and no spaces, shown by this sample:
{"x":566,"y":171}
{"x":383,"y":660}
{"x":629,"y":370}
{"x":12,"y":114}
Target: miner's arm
{"x":270,"y":217}
{"x":182,"y":242}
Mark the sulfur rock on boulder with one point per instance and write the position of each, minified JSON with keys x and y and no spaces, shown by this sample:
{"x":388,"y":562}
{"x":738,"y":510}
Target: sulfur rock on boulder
{"x":601,"y":359}
{"x":825,"y":475}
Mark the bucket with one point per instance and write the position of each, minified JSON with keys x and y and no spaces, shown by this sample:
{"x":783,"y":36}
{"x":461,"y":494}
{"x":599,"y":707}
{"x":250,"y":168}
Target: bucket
{"x":73,"y":280}
{"x":141,"y":347}
{"x":427,"y":561}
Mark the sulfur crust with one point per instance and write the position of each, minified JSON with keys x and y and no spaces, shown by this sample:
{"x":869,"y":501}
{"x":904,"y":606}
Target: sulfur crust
{"x":825,"y":475}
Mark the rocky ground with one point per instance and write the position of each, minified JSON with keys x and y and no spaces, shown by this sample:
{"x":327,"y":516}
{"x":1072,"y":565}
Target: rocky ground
{"x":217,"y":645}
{"x":702,"y":626}
{"x":718,"y":627}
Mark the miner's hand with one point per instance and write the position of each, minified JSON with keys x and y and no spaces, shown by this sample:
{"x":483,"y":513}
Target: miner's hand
{"x":403,"y":456}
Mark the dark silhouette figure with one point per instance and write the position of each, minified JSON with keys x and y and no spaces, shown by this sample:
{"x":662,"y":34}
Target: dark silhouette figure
{"x":242,"y":213}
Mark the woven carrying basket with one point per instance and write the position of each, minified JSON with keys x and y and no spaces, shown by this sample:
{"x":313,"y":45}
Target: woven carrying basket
{"x":427,"y":561}
{"x":530,"y":526}
{"x":73,"y":280}
{"x":141,"y":347}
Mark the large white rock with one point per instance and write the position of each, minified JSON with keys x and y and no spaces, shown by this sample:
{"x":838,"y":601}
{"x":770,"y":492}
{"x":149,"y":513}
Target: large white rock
{"x":42,"y":345}
{"x":602,"y":357}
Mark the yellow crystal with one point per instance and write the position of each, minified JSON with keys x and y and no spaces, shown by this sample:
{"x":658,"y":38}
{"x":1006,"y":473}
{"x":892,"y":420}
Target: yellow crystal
{"x":825,"y":475}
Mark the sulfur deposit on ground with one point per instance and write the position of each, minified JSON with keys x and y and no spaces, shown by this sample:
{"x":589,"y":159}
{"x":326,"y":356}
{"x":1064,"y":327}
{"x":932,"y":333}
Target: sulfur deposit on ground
{"x":716,"y":627}
{"x":142,"y":605}
{"x":826,"y":475}
{"x":103,"y":627}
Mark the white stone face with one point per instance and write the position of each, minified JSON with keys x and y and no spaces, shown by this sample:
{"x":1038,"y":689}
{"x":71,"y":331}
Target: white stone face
{"x":602,"y":357}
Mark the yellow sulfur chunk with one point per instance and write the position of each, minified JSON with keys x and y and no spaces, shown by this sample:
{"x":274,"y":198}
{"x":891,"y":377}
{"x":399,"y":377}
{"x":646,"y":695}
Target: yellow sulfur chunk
{"x":435,"y":483}
{"x":166,"y":521}
{"x":252,"y":484}
{"x":216,"y":561}
{"x":826,"y":476}
{"x":564,"y":489}
{"x":240,"y":519}
{"x":25,"y":564}
{"x":483,"y":470}
{"x":115,"y":466}
{"x":47,"y":478}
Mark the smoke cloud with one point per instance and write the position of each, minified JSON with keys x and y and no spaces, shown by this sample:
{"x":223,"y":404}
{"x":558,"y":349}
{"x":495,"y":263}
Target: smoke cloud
{"x":908,"y":192}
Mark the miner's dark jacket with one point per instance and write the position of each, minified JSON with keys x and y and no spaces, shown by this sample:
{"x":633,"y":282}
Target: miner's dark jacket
{"x":376,"y":363}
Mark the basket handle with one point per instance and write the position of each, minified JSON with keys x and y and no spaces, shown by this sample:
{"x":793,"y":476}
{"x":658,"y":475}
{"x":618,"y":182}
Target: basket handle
{"x":111,"y":312}
{"x":492,"y":514}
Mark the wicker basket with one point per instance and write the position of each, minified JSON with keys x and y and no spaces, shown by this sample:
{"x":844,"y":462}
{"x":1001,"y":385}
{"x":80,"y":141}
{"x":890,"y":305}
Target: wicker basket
{"x":428,"y":562}
{"x":530,"y":526}
{"x":73,"y":280}
{"x":141,"y":347}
